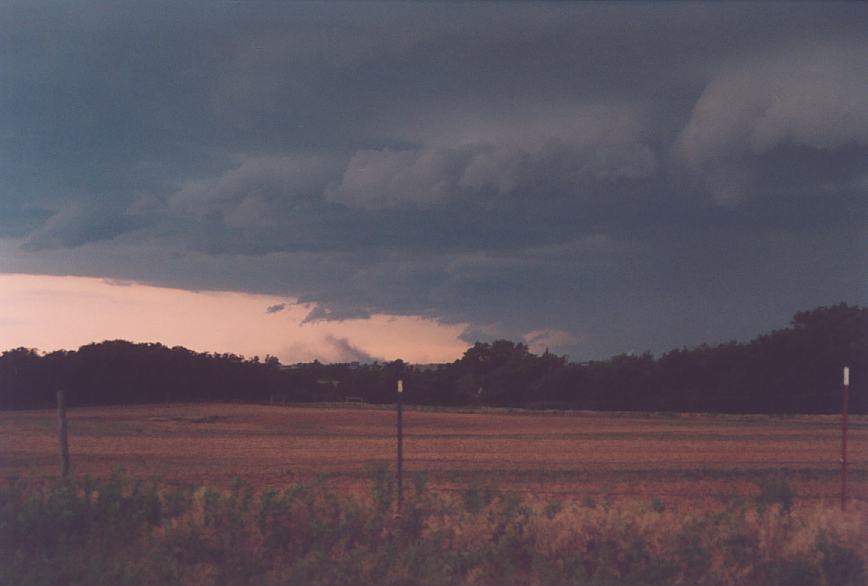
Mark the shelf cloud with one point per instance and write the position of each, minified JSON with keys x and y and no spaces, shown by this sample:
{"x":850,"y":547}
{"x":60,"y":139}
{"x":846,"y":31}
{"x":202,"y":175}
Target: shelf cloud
{"x":585,"y":177}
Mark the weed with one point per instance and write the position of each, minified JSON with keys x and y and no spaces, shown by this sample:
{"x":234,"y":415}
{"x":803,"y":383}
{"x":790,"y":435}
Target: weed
{"x":840,"y":564}
{"x":775,"y":490}
{"x":552,"y":509}
{"x":117,"y":531}
{"x":420,"y":481}
{"x":476,"y":497}
{"x":383,"y":485}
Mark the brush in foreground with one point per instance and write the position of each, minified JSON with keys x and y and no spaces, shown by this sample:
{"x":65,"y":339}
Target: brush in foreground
{"x":118,"y":531}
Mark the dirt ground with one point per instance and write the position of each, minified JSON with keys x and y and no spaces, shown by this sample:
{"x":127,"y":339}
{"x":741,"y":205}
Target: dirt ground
{"x":569,"y":455}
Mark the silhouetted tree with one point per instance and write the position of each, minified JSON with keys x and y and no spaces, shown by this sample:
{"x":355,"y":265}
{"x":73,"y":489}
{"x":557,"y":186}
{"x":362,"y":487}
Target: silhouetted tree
{"x":796,"y":369}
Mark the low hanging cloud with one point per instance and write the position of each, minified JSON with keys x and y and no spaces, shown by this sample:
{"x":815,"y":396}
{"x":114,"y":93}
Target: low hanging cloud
{"x":344,"y":351}
{"x":276,"y":308}
{"x":550,"y":339}
{"x":322,"y":314}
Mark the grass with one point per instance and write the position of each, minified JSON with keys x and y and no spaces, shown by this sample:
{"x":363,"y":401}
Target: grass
{"x":126,"y":531}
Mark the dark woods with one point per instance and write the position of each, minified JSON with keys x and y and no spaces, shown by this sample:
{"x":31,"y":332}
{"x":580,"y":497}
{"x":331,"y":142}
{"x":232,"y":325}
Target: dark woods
{"x":793,"y":370}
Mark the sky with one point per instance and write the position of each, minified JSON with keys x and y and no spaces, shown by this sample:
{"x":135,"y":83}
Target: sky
{"x":205,"y":321}
{"x":402,"y":179}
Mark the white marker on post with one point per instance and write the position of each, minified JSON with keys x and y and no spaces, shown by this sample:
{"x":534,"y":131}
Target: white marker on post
{"x":846,"y":375}
{"x":400,"y":386}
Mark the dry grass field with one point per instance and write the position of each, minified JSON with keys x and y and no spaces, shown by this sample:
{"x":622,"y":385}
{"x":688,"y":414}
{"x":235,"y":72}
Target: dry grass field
{"x":624,"y":456}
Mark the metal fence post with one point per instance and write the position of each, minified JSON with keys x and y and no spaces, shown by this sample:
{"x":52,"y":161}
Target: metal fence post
{"x":844,"y":410}
{"x":62,"y":435}
{"x":400,"y":423}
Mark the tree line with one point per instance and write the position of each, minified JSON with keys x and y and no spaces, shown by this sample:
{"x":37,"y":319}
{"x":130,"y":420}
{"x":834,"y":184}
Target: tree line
{"x":796,"y":369}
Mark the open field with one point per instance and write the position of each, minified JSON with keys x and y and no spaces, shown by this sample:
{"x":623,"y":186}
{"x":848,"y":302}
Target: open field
{"x":567,"y":454}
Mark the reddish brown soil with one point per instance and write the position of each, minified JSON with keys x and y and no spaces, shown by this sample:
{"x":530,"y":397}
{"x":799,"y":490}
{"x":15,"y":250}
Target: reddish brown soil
{"x":573,"y":455}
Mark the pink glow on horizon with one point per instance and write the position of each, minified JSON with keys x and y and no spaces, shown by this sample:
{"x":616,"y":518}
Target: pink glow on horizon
{"x":51,"y":313}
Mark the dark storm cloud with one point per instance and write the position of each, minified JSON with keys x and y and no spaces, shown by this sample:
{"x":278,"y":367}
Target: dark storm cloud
{"x":598,"y":177}
{"x":80,"y":223}
{"x":18,"y":220}
{"x":320,"y":313}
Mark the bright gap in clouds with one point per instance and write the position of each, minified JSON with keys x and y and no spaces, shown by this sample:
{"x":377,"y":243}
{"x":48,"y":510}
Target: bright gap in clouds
{"x":51,"y":313}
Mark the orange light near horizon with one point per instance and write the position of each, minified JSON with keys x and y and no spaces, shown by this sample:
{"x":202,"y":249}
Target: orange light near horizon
{"x":51,"y":313}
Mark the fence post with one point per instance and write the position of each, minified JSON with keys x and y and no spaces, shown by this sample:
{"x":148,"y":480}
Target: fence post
{"x":844,"y":409}
{"x":400,"y":468}
{"x":62,"y":435}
